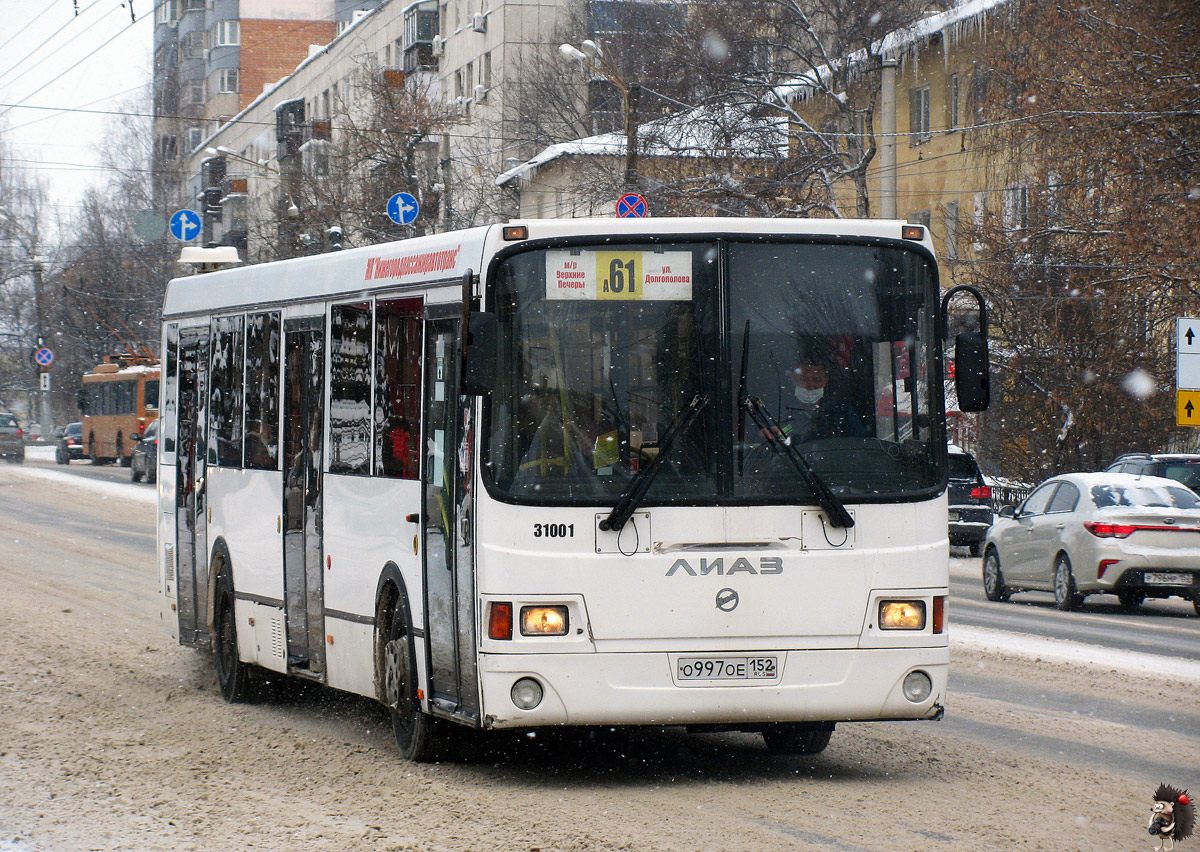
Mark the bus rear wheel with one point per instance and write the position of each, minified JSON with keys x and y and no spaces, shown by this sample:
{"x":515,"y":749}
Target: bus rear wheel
{"x":233,"y":676}
{"x":415,"y":731}
{"x":123,"y":458}
{"x":797,"y":737}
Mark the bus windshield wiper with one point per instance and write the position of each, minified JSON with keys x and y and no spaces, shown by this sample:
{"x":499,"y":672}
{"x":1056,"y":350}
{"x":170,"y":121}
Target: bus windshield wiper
{"x":637,"y":487}
{"x":834,"y":508}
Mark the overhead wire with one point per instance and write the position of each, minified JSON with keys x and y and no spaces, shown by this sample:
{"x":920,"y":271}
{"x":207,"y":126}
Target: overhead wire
{"x":48,"y":38}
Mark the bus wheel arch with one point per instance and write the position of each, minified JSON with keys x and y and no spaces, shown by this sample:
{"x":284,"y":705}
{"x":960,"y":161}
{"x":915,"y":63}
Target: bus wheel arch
{"x":233,"y":675}
{"x":415,"y":731}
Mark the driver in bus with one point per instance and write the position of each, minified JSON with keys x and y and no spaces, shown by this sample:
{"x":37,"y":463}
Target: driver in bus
{"x":819,"y":408}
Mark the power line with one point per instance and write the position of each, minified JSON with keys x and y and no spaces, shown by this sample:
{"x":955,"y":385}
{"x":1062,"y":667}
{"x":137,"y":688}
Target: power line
{"x":30,"y":23}
{"x":70,"y":21}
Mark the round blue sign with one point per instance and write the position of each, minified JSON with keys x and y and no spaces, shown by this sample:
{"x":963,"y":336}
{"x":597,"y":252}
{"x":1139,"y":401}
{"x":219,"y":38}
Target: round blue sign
{"x":44,"y":357}
{"x":402,"y":208}
{"x":631,"y":206}
{"x":185,"y":225}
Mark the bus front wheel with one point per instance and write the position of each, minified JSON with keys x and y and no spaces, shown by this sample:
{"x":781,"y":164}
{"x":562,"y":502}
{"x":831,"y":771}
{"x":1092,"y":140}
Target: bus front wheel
{"x":415,"y":731}
{"x":797,"y":737}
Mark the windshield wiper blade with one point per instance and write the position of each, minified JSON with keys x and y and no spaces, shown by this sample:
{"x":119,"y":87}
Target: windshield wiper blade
{"x":637,"y":487}
{"x":834,"y":508}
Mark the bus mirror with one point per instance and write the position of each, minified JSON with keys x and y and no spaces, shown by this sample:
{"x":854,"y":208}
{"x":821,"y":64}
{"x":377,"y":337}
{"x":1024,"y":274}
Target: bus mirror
{"x":479,"y":369}
{"x":972,"y":380}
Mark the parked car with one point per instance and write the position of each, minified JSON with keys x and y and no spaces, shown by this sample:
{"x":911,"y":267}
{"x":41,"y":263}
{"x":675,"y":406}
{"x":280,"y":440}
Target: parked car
{"x":143,"y":458}
{"x":1182,"y":467}
{"x":970,"y":501}
{"x":12,"y":439}
{"x":1090,"y":533}
{"x":70,"y":444}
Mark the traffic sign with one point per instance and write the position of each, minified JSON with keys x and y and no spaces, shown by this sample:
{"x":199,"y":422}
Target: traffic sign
{"x":632,"y":206}
{"x":1187,"y":408}
{"x":44,"y":357}
{"x":185,"y":225}
{"x":45,"y":381}
{"x":402,"y":208}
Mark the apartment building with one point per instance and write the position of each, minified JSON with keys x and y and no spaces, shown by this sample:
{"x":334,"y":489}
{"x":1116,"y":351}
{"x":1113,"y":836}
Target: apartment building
{"x":213,"y":57}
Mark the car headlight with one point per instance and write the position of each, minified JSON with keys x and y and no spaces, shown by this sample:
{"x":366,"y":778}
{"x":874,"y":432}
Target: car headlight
{"x":902,"y":615}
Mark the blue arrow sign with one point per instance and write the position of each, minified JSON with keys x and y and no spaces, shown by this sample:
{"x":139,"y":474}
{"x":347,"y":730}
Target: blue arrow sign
{"x":44,"y":357}
{"x":185,"y":225}
{"x":403,"y":208}
{"x":631,"y":206}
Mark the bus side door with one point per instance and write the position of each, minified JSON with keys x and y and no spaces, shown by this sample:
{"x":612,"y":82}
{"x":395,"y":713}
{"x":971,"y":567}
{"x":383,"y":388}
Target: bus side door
{"x":449,"y":563}
{"x":191,"y":528}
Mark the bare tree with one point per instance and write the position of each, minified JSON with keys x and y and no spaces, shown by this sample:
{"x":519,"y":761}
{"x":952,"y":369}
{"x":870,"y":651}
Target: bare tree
{"x":1089,"y":251}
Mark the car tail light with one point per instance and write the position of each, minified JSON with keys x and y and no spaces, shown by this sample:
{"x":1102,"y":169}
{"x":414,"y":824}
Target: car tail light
{"x":1109,"y":530}
{"x":20,"y":432}
{"x":981,"y":492}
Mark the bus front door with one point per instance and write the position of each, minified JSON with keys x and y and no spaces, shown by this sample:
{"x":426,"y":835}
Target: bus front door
{"x":449,"y":566}
{"x":191,"y":529}
{"x":303,"y":444}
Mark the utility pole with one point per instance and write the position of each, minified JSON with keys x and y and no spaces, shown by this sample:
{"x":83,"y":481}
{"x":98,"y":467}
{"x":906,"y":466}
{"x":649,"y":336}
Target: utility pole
{"x":887,"y":170}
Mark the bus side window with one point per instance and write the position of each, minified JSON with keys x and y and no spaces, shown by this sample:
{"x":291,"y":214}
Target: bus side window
{"x":397,"y":407}
{"x":262,"y":391}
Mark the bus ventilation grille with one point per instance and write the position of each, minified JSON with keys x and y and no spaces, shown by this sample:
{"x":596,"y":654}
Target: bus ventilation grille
{"x":169,"y":563}
{"x":278,"y":647}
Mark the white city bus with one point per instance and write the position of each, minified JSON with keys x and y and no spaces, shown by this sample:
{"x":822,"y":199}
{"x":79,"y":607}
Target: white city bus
{"x":614,"y":500}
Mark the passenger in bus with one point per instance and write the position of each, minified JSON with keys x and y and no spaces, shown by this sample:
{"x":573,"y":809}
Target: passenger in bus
{"x":397,"y":448}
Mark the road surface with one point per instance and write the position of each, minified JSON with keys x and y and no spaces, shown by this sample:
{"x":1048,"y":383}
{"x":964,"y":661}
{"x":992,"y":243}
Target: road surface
{"x":113,"y":738}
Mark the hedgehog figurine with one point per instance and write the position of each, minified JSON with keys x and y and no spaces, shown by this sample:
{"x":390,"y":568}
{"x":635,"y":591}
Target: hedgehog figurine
{"x":1172,"y":818}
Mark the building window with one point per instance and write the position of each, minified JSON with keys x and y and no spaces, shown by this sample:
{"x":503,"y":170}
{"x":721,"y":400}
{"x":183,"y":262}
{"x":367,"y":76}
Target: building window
{"x":951,"y":222}
{"x":952,"y":102}
{"x":226,"y":33}
{"x":194,"y":5}
{"x":980,"y":217}
{"x":920,"y":217}
{"x":168,"y":11}
{"x":192,"y":45}
{"x":485,"y":71}
{"x":1016,"y":208}
{"x":918,"y":115}
{"x":1054,"y":188}
{"x":227,"y":81}
{"x":195,"y":92}
{"x":195,"y":135}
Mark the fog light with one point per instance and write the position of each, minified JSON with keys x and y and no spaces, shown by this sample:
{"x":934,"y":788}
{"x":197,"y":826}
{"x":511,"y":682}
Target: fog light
{"x":543,"y":621}
{"x":917,"y":686}
{"x":902,"y":615}
{"x":527,"y":693}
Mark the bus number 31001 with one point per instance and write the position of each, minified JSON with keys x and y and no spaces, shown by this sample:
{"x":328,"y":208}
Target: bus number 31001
{"x":553,"y":530}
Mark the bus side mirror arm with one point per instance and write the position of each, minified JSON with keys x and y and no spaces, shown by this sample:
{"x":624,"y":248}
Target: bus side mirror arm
{"x":972,"y":373}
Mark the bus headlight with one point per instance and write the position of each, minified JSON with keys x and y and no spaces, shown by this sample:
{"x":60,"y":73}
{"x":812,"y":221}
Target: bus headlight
{"x":902,"y":615}
{"x":917,"y":686}
{"x":527,"y":693}
{"x":543,"y":621}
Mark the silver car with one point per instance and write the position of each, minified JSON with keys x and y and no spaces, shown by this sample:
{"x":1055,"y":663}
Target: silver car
{"x":1091,"y":533}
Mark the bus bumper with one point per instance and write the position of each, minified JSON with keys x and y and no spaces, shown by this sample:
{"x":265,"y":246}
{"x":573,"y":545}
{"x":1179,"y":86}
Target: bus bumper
{"x":641,"y":689}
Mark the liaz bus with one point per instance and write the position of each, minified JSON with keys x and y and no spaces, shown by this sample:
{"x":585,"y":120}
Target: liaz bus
{"x":118,"y":399}
{"x":578,"y":472}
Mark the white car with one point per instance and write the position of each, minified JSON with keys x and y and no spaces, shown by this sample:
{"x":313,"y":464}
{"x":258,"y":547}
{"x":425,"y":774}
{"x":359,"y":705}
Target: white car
{"x":1090,"y":533}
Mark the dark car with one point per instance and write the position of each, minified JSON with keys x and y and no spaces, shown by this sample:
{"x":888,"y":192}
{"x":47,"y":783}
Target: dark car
{"x":12,"y":439}
{"x":143,"y":458}
{"x":70,"y":444}
{"x":1182,"y":467}
{"x":970,"y":501}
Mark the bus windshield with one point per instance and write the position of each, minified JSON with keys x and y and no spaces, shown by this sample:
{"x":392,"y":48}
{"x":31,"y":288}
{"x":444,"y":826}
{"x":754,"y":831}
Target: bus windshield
{"x":824,"y":348}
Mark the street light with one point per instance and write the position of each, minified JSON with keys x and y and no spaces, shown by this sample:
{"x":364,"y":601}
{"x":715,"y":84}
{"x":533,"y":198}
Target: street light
{"x":592,"y":56}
